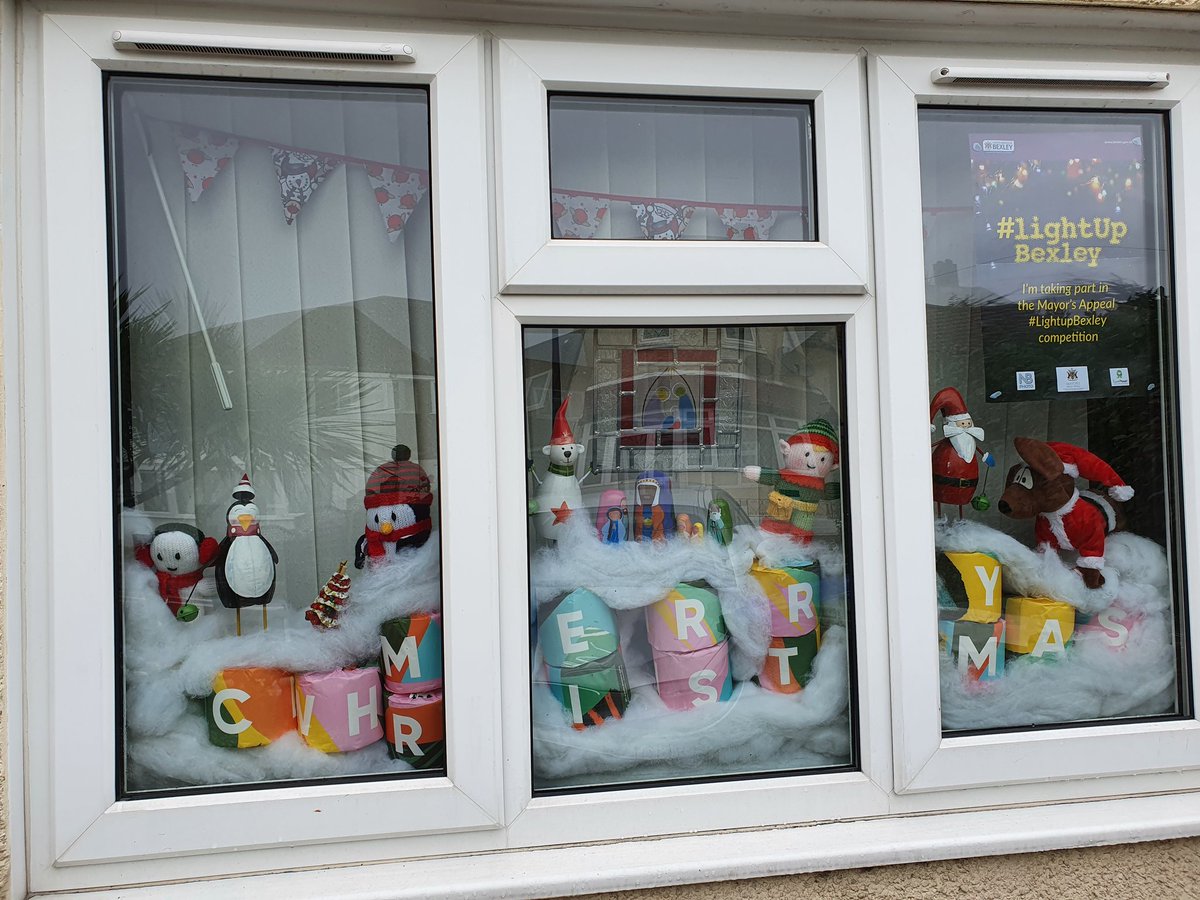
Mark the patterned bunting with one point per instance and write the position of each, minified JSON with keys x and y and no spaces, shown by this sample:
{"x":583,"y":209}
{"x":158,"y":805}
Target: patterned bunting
{"x":300,"y":174}
{"x":747,"y":223}
{"x":577,"y":215}
{"x":397,"y":191}
{"x":203,"y":155}
{"x":662,"y":221}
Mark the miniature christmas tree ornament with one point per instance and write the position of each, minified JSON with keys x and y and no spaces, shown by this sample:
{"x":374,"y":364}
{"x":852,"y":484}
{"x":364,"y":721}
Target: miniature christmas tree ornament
{"x":245,"y":560}
{"x":332,"y":599}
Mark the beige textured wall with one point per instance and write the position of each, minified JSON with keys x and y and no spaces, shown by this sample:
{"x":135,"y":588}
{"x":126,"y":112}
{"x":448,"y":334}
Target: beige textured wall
{"x":1166,"y":870}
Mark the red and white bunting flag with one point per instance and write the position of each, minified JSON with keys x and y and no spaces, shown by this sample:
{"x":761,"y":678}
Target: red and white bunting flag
{"x":577,"y":215}
{"x":203,"y":155}
{"x":662,"y":221}
{"x":300,"y":174}
{"x":397,"y":191}
{"x":748,"y":223}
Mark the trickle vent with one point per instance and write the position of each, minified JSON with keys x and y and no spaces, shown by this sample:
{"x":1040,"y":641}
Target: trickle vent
{"x":979,"y":77}
{"x":267,"y":52}
{"x":263,"y":48}
{"x":1047,"y":82}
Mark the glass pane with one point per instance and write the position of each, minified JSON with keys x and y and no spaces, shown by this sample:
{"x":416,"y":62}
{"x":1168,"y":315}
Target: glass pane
{"x":1052,"y":377}
{"x":690,"y":602}
{"x":672,"y":169}
{"x":276,"y":414}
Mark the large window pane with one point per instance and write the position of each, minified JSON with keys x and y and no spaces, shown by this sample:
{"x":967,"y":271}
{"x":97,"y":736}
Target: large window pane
{"x":1052,"y":376}
{"x":690,"y":606}
{"x":278,"y":573}
{"x":674,"y":169}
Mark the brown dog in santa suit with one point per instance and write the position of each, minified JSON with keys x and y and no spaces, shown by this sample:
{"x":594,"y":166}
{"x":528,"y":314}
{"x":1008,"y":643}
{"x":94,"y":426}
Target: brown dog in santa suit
{"x":1067,"y":518}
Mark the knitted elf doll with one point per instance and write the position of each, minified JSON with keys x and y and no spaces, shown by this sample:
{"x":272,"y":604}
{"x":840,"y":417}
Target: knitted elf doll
{"x":809,"y":456}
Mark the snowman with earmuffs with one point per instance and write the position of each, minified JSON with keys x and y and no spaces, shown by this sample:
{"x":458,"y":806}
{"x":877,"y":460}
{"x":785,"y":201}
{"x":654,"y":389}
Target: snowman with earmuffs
{"x":179,"y":553}
{"x":558,"y":495}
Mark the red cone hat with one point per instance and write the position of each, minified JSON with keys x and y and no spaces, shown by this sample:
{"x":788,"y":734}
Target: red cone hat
{"x":562,"y":431}
{"x":1081,"y":463}
{"x":949,"y":402}
{"x":244,"y":491}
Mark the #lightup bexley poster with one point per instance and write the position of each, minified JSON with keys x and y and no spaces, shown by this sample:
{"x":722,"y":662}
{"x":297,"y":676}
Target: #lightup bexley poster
{"x":1067,"y":240}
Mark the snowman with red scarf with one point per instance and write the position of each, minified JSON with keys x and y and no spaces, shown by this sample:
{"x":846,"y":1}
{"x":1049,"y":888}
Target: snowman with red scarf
{"x":397,"y":500}
{"x":179,"y":553}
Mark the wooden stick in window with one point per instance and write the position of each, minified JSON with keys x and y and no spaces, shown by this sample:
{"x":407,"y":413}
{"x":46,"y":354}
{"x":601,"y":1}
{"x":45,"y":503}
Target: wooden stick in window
{"x":218,"y":375}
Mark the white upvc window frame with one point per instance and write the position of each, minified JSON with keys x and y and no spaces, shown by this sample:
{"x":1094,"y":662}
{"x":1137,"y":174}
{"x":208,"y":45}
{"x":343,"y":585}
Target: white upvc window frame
{"x":916,"y":796}
{"x":80,"y":829}
{"x":531,"y":262}
{"x":925,"y":760}
{"x":589,"y":283}
{"x":604,"y":814}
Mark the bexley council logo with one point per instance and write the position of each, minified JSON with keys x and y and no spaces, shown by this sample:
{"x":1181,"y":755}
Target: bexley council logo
{"x":994,"y":146}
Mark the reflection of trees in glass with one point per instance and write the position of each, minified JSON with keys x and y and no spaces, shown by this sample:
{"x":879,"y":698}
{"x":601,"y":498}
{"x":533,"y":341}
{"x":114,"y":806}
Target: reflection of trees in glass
{"x":173,"y":426}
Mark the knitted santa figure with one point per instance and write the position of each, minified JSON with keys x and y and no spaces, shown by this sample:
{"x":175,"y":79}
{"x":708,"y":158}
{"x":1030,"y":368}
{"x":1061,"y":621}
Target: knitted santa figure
{"x":809,"y":456}
{"x":1087,"y":517}
{"x":397,"y":501}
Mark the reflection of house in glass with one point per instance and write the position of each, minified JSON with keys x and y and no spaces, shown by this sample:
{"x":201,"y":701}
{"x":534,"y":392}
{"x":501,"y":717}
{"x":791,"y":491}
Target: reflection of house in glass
{"x":748,"y":395}
{"x":320,"y":397}
{"x":668,"y":404}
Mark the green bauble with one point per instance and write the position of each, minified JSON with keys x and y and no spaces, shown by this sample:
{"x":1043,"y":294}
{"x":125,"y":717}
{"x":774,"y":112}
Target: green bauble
{"x":981,"y":503}
{"x":188,"y":612}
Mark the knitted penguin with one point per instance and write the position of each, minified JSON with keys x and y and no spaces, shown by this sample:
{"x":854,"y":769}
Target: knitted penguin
{"x":397,"y":500}
{"x":809,"y":456}
{"x":179,"y":554}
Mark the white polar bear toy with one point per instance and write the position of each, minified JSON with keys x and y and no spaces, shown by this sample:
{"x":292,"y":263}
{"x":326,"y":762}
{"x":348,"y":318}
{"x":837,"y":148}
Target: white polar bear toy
{"x":558,"y":494}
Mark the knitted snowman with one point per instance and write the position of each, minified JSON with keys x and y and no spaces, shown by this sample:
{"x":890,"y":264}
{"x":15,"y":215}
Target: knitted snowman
{"x":397,"y":501}
{"x":179,"y":554}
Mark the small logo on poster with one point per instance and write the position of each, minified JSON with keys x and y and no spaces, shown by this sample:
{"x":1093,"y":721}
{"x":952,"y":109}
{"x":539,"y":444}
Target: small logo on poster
{"x":1119,"y":377}
{"x":1026,"y":381}
{"x":1072,"y":378}
{"x":994,"y":146}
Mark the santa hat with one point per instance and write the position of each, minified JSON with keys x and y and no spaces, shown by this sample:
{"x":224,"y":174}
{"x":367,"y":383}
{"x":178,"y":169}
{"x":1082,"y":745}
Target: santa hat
{"x":819,"y":433}
{"x":243,"y":491}
{"x":949,"y":402}
{"x":562,"y":431}
{"x":398,"y":481}
{"x":1080,"y":463}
